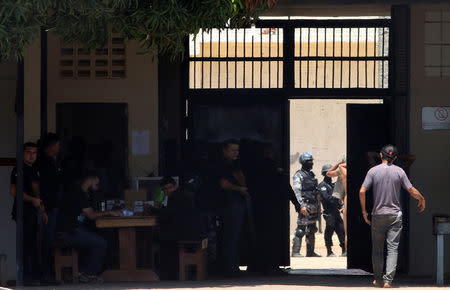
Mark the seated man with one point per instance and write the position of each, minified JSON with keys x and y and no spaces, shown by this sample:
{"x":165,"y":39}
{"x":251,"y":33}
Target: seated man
{"x":177,"y":199}
{"x":181,"y":218}
{"x":180,"y":221}
{"x":75,"y":208}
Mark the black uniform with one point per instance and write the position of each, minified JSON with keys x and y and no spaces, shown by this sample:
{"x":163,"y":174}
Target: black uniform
{"x":305,"y":188}
{"x":50,"y":188}
{"x":331,"y":206}
{"x":30,"y":223}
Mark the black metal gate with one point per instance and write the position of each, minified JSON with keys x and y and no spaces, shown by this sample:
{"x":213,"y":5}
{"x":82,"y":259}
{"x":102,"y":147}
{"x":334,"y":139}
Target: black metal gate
{"x":278,"y":60}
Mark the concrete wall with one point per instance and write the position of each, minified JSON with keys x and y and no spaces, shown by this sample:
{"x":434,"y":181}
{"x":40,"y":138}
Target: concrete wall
{"x":430,"y":173}
{"x":139,"y":90}
{"x":7,"y":150}
{"x":318,"y":126}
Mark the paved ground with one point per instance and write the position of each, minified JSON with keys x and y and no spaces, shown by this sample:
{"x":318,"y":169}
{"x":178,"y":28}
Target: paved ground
{"x":306,"y":273}
{"x":323,"y":262}
{"x":253,"y":283}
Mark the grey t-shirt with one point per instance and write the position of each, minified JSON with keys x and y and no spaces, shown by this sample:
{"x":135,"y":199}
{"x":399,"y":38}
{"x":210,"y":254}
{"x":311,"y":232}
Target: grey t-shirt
{"x":386,"y":181}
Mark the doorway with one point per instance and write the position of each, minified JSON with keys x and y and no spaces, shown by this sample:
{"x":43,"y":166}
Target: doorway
{"x":230,"y":69}
{"x":95,"y":144}
{"x":332,"y":130}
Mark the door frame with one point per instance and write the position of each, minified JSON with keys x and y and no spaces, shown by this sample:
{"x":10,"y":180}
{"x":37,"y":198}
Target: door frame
{"x":397,"y":104}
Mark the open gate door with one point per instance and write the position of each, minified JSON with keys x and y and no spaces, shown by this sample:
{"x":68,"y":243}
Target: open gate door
{"x":368,"y":129}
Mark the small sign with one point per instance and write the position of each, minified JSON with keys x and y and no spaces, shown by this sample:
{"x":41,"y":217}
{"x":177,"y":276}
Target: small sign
{"x":435,"y":118}
{"x":140,"y":142}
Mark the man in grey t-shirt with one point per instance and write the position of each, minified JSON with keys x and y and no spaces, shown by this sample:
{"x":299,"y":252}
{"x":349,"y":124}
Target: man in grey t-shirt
{"x":386,"y":181}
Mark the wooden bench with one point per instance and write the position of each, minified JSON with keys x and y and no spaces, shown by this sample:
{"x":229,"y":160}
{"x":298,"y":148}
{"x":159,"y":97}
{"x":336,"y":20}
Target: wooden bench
{"x":66,"y":256}
{"x":192,"y":253}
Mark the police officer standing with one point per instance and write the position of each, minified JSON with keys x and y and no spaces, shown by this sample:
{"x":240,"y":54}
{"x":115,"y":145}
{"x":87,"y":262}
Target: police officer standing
{"x":305,"y":188}
{"x":31,"y":207}
{"x":331,"y":213}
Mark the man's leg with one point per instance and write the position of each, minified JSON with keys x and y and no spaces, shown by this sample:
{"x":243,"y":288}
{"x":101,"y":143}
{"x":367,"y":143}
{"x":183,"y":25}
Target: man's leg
{"x":300,"y":231}
{"x":393,"y":239}
{"x":93,"y":245}
{"x":30,"y":265}
{"x":328,"y":235}
{"x":49,"y":237}
{"x":378,"y":238}
{"x":232,"y":228}
{"x":340,"y":232}
{"x":311,"y":231}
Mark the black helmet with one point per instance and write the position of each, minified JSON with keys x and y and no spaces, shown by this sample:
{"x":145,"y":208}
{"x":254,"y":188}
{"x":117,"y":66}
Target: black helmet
{"x":306,"y":156}
{"x":325,"y":168}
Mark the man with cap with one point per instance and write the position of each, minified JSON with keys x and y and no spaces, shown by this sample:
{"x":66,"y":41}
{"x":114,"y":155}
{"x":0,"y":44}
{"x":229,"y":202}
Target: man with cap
{"x":386,"y":181}
{"x":305,"y":188}
{"x":332,"y":207}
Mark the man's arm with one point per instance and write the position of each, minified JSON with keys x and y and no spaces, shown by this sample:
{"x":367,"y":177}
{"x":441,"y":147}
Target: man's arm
{"x":416,"y":194}
{"x":26,"y":197}
{"x":297,"y":187}
{"x":226,"y":185}
{"x":93,"y":215}
{"x":362,"y":200}
{"x":325,"y":196}
{"x":292,"y":197}
{"x":343,"y":174}
{"x":334,"y":171}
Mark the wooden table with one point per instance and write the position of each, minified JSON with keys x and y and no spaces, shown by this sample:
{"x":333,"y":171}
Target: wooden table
{"x":126,"y":226}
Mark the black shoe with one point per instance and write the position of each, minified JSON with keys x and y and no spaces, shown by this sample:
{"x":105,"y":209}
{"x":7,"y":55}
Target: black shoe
{"x":297,"y":255}
{"x":313,"y":254}
{"x":331,"y":254}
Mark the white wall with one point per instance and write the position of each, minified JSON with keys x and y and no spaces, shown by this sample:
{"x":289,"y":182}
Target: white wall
{"x":7,"y":150}
{"x":430,"y":173}
{"x":319,"y":126}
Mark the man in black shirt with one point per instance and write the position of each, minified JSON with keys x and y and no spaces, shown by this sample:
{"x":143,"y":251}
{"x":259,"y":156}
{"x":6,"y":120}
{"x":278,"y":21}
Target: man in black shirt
{"x":31,"y":207}
{"x":231,"y":181}
{"x":75,"y":209}
{"x":49,"y":173}
{"x":332,"y":208}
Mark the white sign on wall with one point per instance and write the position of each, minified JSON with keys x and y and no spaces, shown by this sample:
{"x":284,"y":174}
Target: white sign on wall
{"x":140,"y":142}
{"x":435,"y":118}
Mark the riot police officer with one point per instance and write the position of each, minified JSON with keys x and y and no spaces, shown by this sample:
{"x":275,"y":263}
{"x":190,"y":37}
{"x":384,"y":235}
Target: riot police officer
{"x":305,"y":188}
{"x":331,"y":213}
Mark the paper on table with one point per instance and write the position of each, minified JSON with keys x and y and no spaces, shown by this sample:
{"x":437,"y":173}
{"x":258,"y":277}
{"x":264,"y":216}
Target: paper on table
{"x":140,"y":142}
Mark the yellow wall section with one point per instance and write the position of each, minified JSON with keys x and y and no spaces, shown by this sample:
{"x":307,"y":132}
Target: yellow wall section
{"x":139,"y":90}
{"x":430,"y":173}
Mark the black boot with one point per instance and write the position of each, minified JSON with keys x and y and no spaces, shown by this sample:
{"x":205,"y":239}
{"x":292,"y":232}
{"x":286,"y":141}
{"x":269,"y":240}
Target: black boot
{"x":296,"y":246}
{"x":310,"y":248}
{"x":330,"y":252}
{"x":344,"y":252}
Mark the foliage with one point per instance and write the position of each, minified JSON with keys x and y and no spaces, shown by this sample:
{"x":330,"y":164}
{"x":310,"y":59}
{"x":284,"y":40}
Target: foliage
{"x":159,"y":25}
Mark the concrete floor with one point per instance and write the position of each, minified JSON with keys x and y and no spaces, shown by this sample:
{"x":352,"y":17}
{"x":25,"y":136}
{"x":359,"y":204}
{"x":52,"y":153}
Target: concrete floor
{"x":279,"y":282}
{"x":322,"y":262}
{"x":305,"y":273}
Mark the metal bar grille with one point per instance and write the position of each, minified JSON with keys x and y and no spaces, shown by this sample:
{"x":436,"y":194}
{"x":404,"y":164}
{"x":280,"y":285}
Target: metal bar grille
{"x":361,"y":55}
{"x":344,"y":54}
{"x":252,"y":58}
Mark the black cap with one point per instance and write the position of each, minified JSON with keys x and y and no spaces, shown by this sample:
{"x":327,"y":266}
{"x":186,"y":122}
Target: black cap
{"x":389,"y":152}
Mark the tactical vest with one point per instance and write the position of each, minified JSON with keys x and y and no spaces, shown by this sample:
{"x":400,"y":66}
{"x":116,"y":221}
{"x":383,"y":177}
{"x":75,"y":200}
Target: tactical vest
{"x":309,"y":185}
